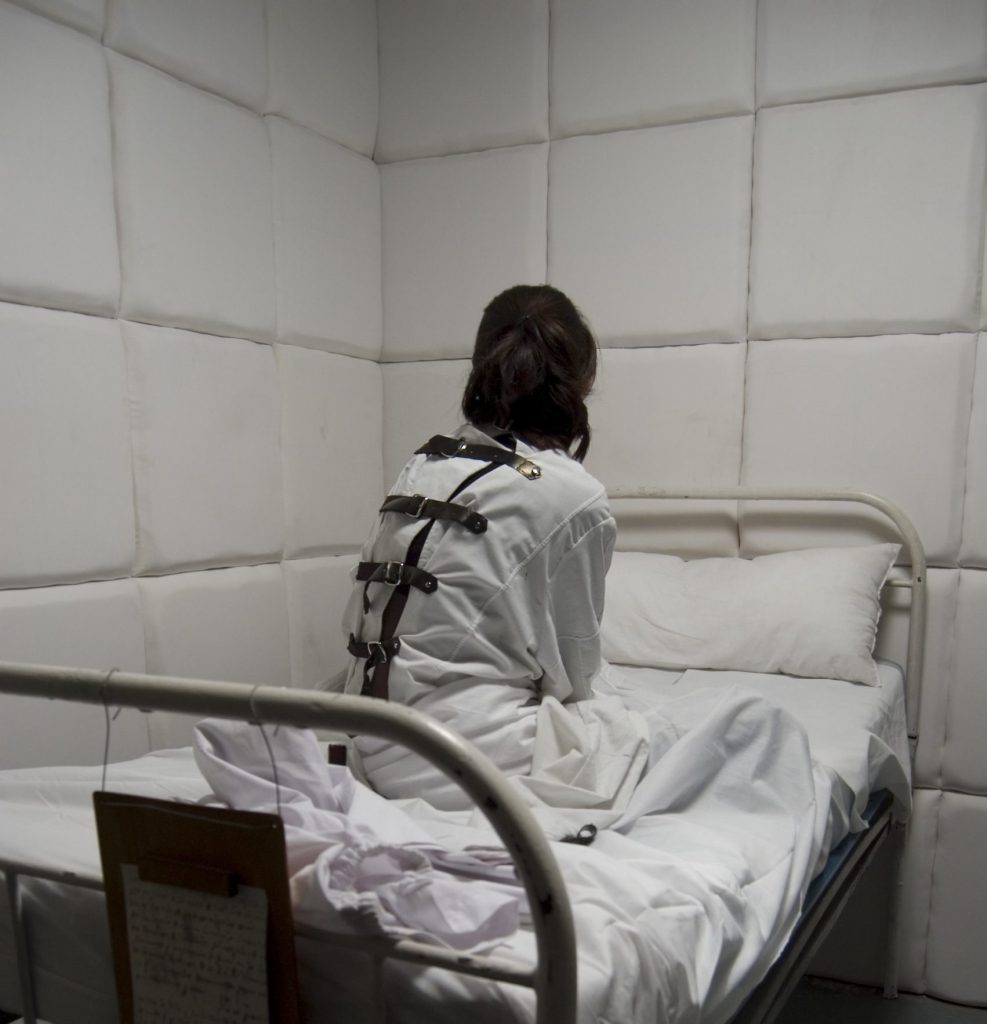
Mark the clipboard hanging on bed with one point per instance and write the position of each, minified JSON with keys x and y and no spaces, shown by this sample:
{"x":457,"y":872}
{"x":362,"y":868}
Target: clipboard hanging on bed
{"x":199,"y":913}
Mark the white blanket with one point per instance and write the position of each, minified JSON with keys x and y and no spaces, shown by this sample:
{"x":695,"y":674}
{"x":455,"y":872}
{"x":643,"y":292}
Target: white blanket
{"x":691,"y":893}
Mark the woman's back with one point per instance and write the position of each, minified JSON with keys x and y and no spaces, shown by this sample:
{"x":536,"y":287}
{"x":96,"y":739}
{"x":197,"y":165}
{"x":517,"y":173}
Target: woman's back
{"x":513,"y":612}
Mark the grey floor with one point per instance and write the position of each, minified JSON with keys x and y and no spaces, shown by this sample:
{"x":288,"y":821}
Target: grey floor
{"x":821,"y":1002}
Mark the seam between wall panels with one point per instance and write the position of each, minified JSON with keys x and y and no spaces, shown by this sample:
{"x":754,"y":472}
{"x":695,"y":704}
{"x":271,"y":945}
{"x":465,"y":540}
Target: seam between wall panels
{"x":747,"y":305}
{"x":114,"y":165}
{"x":702,"y":119}
{"x":380,"y":360}
{"x":982,"y":241}
{"x":265,"y":110}
{"x":950,"y":678}
{"x":276,"y":353}
{"x":966,"y":445}
{"x":743,"y":437}
{"x":267,"y":59}
{"x":750,"y":223}
{"x":924,"y":979}
{"x":128,"y":395}
{"x":891,"y":90}
{"x":978,"y":318}
{"x":548,"y":148}
{"x":275,"y":255}
{"x":373,"y":154}
{"x":383,"y":333}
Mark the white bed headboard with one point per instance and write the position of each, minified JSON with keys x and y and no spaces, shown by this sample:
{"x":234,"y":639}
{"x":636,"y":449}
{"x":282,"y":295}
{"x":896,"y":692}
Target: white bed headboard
{"x":632,"y":508}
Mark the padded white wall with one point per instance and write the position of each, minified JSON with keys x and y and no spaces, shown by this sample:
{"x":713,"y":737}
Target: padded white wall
{"x":772,"y":212}
{"x":190,"y":327}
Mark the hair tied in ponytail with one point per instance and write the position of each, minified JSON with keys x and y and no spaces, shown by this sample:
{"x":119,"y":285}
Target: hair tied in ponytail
{"x":533,"y":365}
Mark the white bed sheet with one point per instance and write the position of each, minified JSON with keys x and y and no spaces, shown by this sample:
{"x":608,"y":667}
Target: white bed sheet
{"x":859,"y":734}
{"x":657,"y":928}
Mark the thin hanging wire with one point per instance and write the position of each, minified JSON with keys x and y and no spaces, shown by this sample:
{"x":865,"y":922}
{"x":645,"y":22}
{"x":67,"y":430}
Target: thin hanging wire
{"x":109,"y":722}
{"x":270,"y":750}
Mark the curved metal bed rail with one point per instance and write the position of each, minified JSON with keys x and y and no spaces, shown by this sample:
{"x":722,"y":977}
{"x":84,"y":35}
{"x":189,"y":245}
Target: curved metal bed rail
{"x":906,"y":532}
{"x":554,"y":978}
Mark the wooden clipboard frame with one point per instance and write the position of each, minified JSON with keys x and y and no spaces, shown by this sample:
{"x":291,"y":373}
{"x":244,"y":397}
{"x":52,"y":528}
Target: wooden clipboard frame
{"x":206,"y":849}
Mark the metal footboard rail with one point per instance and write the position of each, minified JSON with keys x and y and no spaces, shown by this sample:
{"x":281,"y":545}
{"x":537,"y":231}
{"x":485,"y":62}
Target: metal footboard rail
{"x":906,"y":532}
{"x":554,"y":977}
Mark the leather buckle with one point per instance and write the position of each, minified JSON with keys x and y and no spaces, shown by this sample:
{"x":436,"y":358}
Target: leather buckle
{"x":458,"y":450}
{"x":392,"y":573}
{"x":377,"y":652}
{"x":422,"y":502}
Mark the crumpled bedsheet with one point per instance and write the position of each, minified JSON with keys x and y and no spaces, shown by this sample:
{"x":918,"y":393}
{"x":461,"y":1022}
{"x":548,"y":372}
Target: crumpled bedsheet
{"x":680,"y":906}
{"x":357,"y":862}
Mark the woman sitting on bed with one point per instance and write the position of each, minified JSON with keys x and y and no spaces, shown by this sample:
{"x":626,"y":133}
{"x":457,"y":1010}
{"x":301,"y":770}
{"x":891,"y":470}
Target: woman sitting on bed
{"x":480,"y":593}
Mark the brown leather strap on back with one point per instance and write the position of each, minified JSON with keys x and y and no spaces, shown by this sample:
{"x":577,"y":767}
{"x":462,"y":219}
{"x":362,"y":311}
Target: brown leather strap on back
{"x":428,"y":508}
{"x":375,"y":652}
{"x":456,"y":448}
{"x":396,"y":574}
{"x":378,"y":653}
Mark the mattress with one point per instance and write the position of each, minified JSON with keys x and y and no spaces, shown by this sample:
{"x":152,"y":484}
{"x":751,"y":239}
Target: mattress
{"x":683,"y":906}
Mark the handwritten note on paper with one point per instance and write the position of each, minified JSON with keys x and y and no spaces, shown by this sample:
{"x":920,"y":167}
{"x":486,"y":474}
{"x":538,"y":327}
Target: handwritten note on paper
{"x":196,"y":958}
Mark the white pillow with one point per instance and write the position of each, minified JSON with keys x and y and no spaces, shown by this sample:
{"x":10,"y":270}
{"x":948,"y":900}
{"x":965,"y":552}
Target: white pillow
{"x":803,"y":613}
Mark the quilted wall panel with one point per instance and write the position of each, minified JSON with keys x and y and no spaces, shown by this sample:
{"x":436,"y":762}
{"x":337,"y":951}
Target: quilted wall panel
{"x":331,"y":433}
{"x":643,"y":265}
{"x":420,"y":399}
{"x":194,"y":200}
{"x":318,"y":589}
{"x":457,"y":230}
{"x":648,"y":429}
{"x":322,"y":56}
{"x":461,"y":76}
{"x":808,"y":50}
{"x":892,"y":182}
{"x":174,"y":422}
{"x":963,"y":766}
{"x":87,"y":15}
{"x":327,"y":234}
{"x":958,"y":926}
{"x":92,"y":625}
{"x":219,"y":46}
{"x":55,"y":168}
{"x":862,"y":413}
{"x":205,"y":415}
{"x":65,"y":459}
{"x":231,"y":625}
{"x":633,"y":63}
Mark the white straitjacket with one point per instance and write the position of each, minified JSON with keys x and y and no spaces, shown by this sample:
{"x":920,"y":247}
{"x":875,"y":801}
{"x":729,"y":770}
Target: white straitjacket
{"x":506,"y":650}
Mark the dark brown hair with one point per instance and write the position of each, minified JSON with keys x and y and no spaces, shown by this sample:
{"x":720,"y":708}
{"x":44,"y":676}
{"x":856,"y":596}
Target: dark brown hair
{"x":534,"y":363}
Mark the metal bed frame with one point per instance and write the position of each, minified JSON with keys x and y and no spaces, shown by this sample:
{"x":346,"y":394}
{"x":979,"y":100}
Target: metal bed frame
{"x":553,"y":978}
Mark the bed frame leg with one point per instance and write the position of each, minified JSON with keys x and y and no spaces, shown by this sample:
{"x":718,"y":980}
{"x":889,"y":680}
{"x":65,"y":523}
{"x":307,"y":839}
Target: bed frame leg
{"x":899,"y":833}
{"x":28,"y":1011}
